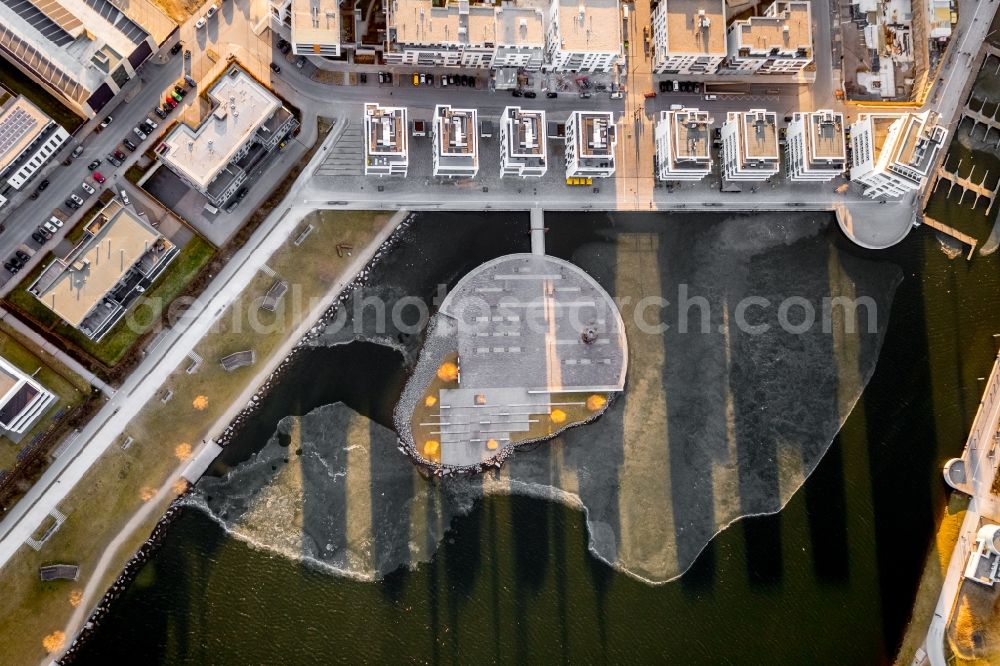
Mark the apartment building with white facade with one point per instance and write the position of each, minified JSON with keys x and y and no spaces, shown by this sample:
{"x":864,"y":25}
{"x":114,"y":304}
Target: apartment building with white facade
{"x":591,"y":138}
{"x":28,"y":139}
{"x":387,"y":150}
{"x":245,"y":124}
{"x":522,"y":143}
{"x":750,"y":145}
{"x":683,"y":144}
{"x":81,"y":51}
{"x":455,"y":142}
{"x":778,"y":42}
{"x":583,"y":36}
{"x":815,"y":149}
{"x":689,"y":36}
{"x":464,"y":34}
{"x":22,"y":399}
{"x":315,"y":27}
{"x":893,"y":154}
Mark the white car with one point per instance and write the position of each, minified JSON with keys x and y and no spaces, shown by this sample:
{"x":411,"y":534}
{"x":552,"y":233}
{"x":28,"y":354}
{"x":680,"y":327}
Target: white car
{"x":125,"y":198}
{"x":617,"y":95}
{"x":200,"y":23}
{"x":139,"y":133}
{"x":87,"y":188}
{"x":150,"y":124}
{"x":50,"y":228}
{"x":211,"y":11}
{"x":56,"y":221}
{"x":77,"y":200}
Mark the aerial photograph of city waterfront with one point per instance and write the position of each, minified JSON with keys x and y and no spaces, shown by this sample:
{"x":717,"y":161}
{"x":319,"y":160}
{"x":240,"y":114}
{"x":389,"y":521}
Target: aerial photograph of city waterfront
{"x":628,"y":331}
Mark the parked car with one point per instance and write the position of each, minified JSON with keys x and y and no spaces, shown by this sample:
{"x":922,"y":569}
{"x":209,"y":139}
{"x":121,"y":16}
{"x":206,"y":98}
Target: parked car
{"x":180,"y":91}
{"x":381,"y":78}
{"x":275,"y":68}
{"x":300,"y":62}
{"x":444,"y":81}
{"x":171,"y":102}
{"x":530,"y":94}
{"x":76,"y":199}
{"x":552,"y":95}
{"x":22,"y":256}
{"x":44,"y":233}
{"x":430,"y":79}
{"x":38,"y":237}
{"x":363,"y":78}
{"x":160,"y":112}
{"x":72,"y":205}
{"x":516,"y":93}
{"x":199,"y":24}
{"x":129,"y":146}
{"x":93,"y":165}
{"x":710,"y":98}
{"x":114,"y":161}
{"x":176,"y":47}
{"x":42,"y":185}
{"x":99,"y":177}
{"x":211,"y":11}
{"x":48,"y":226}
{"x":34,"y":195}
{"x":87,"y":188}
{"x":104,"y":123}
{"x":617,"y":94}
{"x":585,"y":95}
{"x":284,"y":46}
{"x":241,"y":193}
{"x":56,"y":221}
{"x":11,"y":268}
{"x":148,"y":122}
{"x":139,"y":133}
{"x":77,"y":151}
{"x":125,"y":199}
{"x":423,"y":78}
{"x":416,"y":79}
{"x":174,"y":96}
{"x":388,"y":77}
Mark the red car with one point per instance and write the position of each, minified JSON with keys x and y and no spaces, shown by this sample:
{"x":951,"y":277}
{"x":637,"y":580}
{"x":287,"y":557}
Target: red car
{"x":99,"y":178}
{"x":172,"y":102}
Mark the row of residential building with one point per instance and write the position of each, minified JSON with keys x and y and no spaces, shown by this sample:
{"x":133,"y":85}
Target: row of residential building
{"x":590,"y":139}
{"x":28,"y":138}
{"x":890,"y":154}
{"x":690,"y":37}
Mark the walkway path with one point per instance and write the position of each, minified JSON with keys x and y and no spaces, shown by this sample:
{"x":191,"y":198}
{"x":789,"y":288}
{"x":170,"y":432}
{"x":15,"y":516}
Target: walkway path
{"x":96,"y":584}
{"x":147,"y":380}
{"x":46,"y":347}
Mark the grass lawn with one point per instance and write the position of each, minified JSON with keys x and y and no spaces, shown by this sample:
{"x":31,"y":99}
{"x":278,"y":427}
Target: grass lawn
{"x":17,"y":82}
{"x":113,"y":488}
{"x":113,"y":347}
{"x":68,"y":388}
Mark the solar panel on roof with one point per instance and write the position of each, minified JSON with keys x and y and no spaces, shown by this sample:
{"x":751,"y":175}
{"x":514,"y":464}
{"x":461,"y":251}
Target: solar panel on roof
{"x":59,"y":15}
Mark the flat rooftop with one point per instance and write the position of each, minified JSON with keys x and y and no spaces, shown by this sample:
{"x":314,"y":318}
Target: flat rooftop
{"x":595,"y":133}
{"x":590,"y":25}
{"x":21,"y":122}
{"x":522,"y":24}
{"x":316,"y":21}
{"x":116,"y":240}
{"x":420,"y":22}
{"x":691,"y":134}
{"x":526,"y":132}
{"x":785,"y":26}
{"x":521,"y":324}
{"x":758,"y":134}
{"x":386,"y":129}
{"x":457,"y":133}
{"x":240,"y":106}
{"x":917,"y":143}
{"x":696,"y":27}
{"x":825,"y":132}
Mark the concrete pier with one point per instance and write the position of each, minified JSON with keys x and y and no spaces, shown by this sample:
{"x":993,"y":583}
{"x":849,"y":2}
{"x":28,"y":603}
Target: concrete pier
{"x":967,"y":185}
{"x":537,"y":231}
{"x":954,"y":233}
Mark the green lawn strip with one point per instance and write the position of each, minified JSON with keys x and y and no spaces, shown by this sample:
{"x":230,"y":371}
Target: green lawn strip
{"x":20,"y":84}
{"x":59,"y":382}
{"x":110,"y":350}
{"x":111,"y":491}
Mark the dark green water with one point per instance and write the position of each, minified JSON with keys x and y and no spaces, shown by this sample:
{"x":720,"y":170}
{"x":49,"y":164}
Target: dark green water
{"x":828,"y":580}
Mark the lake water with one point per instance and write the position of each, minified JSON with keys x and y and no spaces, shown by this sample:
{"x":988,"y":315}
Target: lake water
{"x":829,"y":579}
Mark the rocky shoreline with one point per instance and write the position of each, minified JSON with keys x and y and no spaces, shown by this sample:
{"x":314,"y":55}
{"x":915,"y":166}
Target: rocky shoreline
{"x":148,"y":547}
